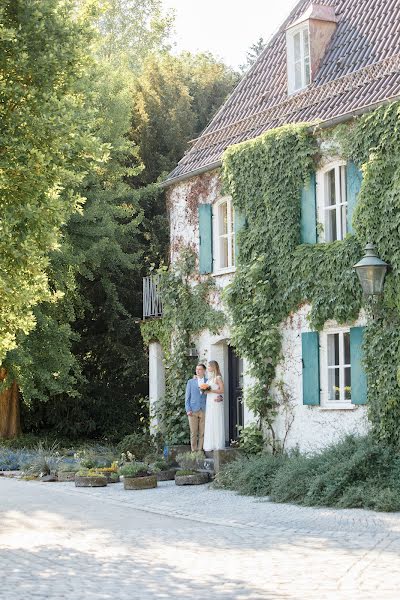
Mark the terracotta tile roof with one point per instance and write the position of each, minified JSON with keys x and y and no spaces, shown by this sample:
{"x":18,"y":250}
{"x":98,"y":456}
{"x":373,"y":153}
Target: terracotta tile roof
{"x":360,"y":68}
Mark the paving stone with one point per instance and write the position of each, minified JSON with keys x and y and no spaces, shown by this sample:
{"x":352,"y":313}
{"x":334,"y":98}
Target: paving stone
{"x":61,"y":542}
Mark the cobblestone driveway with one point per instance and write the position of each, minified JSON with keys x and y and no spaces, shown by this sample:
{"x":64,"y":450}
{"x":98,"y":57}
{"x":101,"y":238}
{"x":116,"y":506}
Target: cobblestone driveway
{"x":58,"y":541}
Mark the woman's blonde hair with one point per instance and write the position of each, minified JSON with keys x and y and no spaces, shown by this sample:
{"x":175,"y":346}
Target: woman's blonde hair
{"x":215,"y":365}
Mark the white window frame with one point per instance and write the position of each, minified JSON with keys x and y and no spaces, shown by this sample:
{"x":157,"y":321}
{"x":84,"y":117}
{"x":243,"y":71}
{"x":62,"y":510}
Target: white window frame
{"x":230,"y":236}
{"x":322,"y":201}
{"x":291,"y":59}
{"x":343,"y":402}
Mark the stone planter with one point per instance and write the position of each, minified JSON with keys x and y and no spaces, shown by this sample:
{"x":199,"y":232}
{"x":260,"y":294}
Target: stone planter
{"x":195,"y":479}
{"x":167,"y":475}
{"x":66,"y":475}
{"x":108,"y":476}
{"x":90,"y":481}
{"x":140,"y":483}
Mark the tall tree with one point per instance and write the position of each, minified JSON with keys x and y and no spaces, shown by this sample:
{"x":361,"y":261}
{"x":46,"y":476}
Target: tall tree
{"x":133,"y":29}
{"x":47,"y":146}
{"x":252,"y":54}
{"x":174,"y":98}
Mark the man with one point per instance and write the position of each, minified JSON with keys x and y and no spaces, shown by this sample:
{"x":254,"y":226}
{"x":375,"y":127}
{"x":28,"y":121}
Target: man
{"x":195,"y":404}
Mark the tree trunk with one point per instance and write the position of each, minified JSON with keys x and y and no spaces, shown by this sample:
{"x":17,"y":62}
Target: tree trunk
{"x":10,"y":424}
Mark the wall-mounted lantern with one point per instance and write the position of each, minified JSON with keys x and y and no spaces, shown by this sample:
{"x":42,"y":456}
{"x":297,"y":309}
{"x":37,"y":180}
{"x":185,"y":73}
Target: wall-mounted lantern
{"x":371,"y":271}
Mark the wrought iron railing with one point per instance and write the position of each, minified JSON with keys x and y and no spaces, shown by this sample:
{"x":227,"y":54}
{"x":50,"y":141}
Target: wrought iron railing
{"x":152,"y":303}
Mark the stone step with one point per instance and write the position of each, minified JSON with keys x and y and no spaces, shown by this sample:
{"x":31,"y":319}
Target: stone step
{"x":208,"y":465}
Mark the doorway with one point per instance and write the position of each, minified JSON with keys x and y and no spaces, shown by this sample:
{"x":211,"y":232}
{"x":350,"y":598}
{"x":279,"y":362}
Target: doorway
{"x":235,"y":391}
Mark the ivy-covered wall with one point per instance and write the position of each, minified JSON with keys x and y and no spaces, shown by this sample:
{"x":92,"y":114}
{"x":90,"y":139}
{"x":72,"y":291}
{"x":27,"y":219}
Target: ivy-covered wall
{"x":276,"y":274}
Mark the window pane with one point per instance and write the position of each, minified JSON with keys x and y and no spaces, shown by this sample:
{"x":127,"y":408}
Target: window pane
{"x":347,"y":383}
{"x":333,"y":384}
{"x":346,"y":345}
{"x":307,"y":71}
{"x":343,"y":218}
{"x":297,"y":76}
{"x":343,"y":197}
{"x":332,"y":228}
{"x":223,"y":252}
{"x":296,"y":47}
{"x":223,"y":219}
{"x":232,"y":217}
{"x":331,"y":196}
{"x":232,"y":239}
{"x":333,"y":350}
{"x":306,"y":49}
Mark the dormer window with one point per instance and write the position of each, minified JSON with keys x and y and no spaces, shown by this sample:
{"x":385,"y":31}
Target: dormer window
{"x":307,"y":40}
{"x":298,"y":48}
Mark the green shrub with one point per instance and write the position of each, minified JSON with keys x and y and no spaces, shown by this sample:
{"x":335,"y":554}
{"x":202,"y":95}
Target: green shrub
{"x":43,"y":460}
{"x":139,"y":444}
{"x":251,"y":439}
{"x":251,"y":476}
{"x":135,"y":469}
{"x":356,"y":472}
{"x":190,"y":460}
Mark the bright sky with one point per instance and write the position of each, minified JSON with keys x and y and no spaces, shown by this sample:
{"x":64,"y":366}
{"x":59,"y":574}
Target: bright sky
{"x":227,"y":28}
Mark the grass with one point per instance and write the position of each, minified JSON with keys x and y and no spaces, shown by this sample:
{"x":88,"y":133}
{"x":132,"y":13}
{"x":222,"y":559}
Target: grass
{"x":357,"y":472}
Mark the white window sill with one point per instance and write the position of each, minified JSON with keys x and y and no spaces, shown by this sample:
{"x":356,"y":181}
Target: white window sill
{"x":226,"y":271}
{"x":338,"y":406}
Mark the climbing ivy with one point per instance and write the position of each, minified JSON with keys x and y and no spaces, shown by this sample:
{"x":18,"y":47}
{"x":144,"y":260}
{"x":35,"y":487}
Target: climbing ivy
{"x":277,"y":274}
{"x":186,"y":312}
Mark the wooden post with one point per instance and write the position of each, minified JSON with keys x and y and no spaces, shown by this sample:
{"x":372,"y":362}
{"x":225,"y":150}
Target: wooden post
{"x":10,"y":423}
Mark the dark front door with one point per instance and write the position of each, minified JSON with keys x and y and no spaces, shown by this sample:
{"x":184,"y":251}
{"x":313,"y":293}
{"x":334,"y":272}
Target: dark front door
{"x":236,"y":412}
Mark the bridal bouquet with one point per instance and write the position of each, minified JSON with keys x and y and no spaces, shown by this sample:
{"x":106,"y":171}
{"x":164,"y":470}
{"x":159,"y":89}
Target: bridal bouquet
{"x":205,"y":387}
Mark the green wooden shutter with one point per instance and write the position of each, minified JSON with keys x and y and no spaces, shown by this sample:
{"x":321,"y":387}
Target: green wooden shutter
{"x":205,"y":233}
{"x":309,"y":212}
{"x":310,"y":357}
{"x":354,"y":179}
{"x":358,"y":375}
{"x":239,"y":224}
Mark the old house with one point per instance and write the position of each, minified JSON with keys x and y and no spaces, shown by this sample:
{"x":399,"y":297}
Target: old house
{"x":330,"y":62}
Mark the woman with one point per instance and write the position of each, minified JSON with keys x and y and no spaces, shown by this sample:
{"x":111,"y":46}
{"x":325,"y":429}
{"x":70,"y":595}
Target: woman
{"x":214,"y":430}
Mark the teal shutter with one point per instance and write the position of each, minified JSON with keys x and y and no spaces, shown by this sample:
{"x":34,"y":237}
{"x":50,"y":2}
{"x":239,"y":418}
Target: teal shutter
{"x":205,"y":233}
{"x":310,"y":358}
{"x":358,"y":375}
{"x":354,"y":179}
{"x":308,"y":229}
{"x":239,"y":224}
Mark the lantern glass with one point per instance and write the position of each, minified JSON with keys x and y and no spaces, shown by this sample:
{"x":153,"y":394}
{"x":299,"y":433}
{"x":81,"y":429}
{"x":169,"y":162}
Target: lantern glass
{"x":371,"y":271}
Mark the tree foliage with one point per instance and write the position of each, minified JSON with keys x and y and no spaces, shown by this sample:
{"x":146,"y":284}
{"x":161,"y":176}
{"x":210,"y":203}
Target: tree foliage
{"x":47,"y":146}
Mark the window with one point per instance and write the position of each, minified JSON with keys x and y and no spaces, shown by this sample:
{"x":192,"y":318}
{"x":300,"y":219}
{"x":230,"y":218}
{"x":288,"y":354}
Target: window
{"x":337,"y":367}
{"x":335,"y":204}
{"x":224,"y":235}
{"x":298,"y":58}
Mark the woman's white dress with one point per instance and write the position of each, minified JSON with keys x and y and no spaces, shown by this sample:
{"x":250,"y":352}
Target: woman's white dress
{"x":214,"y":429}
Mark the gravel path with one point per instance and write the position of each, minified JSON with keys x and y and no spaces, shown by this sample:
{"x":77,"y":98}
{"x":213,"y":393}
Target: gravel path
{"x":58,"y":541}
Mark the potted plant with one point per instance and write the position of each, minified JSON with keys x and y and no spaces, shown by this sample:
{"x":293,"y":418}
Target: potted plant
{"x":90,"y":478}
{"x":190,"y":477}
{"x":164,"y":469}
{"x":138,"y":476}
{"x":111,"y":473}
{"x":191,"y":460}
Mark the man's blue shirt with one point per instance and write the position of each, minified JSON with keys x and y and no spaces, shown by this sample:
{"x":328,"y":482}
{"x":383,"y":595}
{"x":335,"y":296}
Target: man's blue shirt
{"x":195,"y":399}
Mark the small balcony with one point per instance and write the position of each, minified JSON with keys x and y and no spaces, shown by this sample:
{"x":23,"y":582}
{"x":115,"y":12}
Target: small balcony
{"x":152,"y":304}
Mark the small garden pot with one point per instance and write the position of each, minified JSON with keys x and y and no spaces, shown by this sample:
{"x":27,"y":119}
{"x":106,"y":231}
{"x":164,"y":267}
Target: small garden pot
{"x":140,"y":483}
{"x":167,"y":475}
{"x":90,"y":480}
{"x":66,"y":475}
{"x":195,"y":479}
